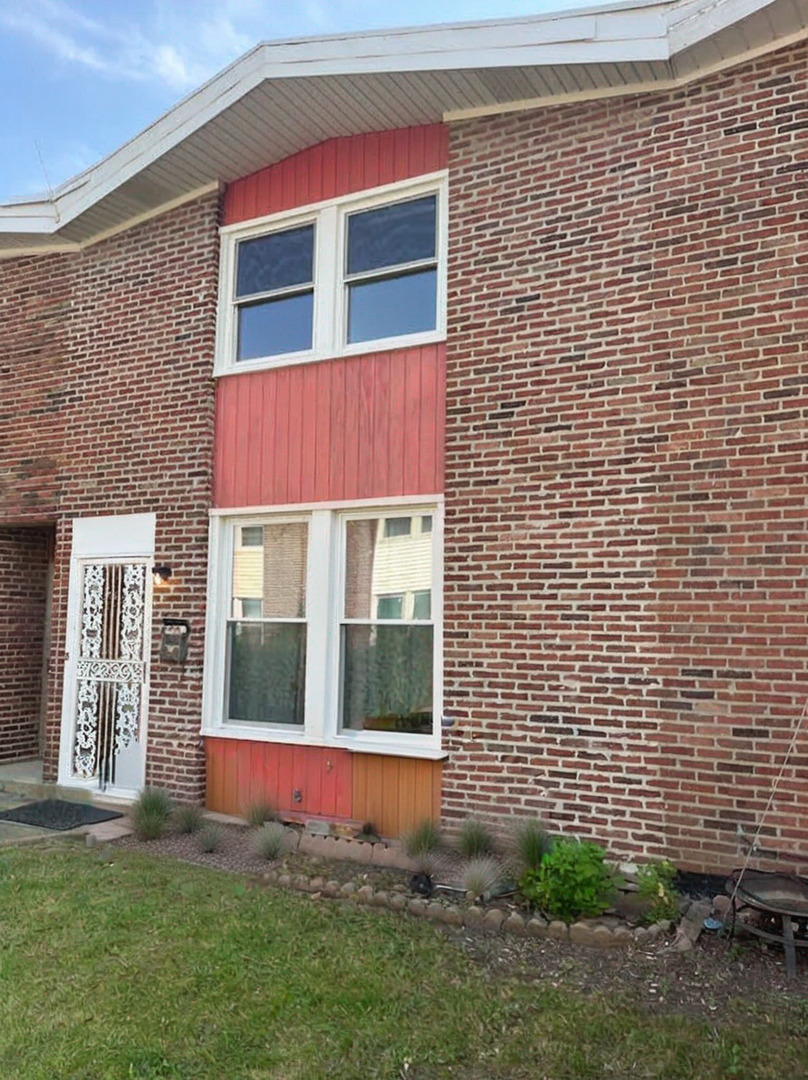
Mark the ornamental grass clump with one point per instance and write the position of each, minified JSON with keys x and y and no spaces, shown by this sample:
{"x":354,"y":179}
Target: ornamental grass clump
{"x":572,"y":882}
{"x":211,"y":839}
{"x":272,"y":841}
{"x":188,"y":818}
{"x":655,"y":886}
{"x":421,"y":845}
{"x":475,"y":839}
{"x":150,"y":813}
{"x":480,"y":875}
{"x":530,"y":842}
{"x":259,"y":813}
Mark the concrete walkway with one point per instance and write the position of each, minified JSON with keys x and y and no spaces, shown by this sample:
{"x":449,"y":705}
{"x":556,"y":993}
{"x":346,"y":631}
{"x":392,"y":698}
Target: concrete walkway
{"x":11,"y":832}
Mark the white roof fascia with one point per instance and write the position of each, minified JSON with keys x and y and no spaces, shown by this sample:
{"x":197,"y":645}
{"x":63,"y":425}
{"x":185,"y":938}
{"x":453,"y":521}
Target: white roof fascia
{"x":631,"y":31}
{"x":702,"y":19}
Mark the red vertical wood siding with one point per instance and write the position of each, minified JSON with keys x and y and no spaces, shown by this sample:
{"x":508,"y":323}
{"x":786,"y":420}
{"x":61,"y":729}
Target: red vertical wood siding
{"x":337,"y":167}
{"x":241,"y":773}
{"x":359,"y":427}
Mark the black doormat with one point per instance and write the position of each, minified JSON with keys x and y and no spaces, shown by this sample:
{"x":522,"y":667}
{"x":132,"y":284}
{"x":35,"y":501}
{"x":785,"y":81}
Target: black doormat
{"x":58,"y":814}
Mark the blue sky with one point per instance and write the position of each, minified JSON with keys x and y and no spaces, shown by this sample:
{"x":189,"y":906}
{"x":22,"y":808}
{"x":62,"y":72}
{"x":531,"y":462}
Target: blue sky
{"x":80,"y":77}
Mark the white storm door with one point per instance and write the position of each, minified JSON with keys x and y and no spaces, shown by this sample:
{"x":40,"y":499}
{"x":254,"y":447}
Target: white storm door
{"x":111,"y":673}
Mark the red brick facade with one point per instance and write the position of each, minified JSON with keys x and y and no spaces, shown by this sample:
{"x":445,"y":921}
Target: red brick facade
{"x":627,"y":465}
{"x":107,"y":402}
{"x":24,"y":557}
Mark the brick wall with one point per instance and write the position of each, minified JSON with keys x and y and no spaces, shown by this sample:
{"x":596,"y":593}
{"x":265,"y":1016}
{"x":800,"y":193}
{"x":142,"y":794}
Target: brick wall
{"x":107,"y":408}
{"x":23,"y":594}
{"x":627,"y":465}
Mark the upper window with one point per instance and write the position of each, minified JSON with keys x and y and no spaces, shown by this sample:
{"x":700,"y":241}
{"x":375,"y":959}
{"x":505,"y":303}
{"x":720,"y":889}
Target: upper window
{"x":334,"y":279}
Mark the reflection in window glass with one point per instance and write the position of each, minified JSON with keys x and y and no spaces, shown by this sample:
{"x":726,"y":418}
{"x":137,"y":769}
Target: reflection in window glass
{"x":387,"y":636}
{"x":267,"y":672}
{"x":387,"y":678}
{"x":398,"y":526}
{"x":392,"y":235}
{"x":278,"y":260}
{"x":275,"y":326}
{"x":389,"y":607}
{"x":266,"y":646}
{"x":422,"y":604}
{"x":392,"y":306}
{"x":252,"y":536}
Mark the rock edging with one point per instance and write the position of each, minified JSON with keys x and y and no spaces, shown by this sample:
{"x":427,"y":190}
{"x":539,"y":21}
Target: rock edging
{"x":592,"y":933}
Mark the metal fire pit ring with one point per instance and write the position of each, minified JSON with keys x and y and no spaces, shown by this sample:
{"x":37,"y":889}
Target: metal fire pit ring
{"x":783,"y":900}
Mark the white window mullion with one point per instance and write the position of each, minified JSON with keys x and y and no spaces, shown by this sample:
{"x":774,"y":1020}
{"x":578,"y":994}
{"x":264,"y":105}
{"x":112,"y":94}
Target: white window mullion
{"x":319,"y":620}
{"x":326,"y":276}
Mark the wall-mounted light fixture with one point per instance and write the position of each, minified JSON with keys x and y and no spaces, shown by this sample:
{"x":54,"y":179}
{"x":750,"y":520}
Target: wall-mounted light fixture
{"x":161,"y":574}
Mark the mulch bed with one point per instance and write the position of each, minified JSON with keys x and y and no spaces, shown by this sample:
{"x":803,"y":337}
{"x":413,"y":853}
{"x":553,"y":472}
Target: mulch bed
{"x":717,"y":981}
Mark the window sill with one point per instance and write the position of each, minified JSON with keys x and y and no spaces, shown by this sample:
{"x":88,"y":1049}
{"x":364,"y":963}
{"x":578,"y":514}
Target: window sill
{"x":364,"y":348}
{"x":353,"y":746}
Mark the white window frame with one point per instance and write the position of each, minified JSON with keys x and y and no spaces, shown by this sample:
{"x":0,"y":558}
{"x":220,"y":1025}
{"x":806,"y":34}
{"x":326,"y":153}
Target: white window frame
{"x":330,"y":308}
{"x":324,"y":611}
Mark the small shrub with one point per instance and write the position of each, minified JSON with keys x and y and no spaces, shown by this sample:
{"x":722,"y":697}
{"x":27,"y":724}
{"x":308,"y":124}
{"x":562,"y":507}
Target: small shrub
{"x":475,"y":839}
{"x":480,"y":875}
{"x":421,"y":845}
{"x":655,"y":886}
{"x":572,"y":882}
{"x":531,"y":842}
{"x":211,"y":838}
{"x":188,"y":818}
{"x":259,"y":813}
{"x":271,"y":841}
{"x":150,"y":813}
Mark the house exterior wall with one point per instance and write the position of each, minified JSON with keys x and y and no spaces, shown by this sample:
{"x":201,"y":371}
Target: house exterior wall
{"x":107,"y":408}
{"x":626,"y":466}
{"x":349,"y":428}
{"x":24,"y":557}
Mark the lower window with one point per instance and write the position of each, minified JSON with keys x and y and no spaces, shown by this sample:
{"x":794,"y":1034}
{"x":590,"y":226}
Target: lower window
{"x":330,"y":633}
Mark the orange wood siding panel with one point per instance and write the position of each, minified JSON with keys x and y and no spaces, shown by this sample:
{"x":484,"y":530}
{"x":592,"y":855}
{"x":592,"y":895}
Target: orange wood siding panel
{"x":240,"y":773}
{"x":395,"y":793}
{"x":360,"y":427}
{"x":337,"y":167}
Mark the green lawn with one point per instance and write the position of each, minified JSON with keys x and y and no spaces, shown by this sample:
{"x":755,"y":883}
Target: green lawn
{"x":147,"y":968}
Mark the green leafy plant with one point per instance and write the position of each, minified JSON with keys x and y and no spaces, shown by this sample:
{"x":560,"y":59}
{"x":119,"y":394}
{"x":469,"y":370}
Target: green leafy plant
{"x":211,"y":838}
{"x":188,"y":818}
{"x":531,"y":842}
{"x":271,"y":841}
{"x":655,"y":886}
{"x":258,"y":813}
{"x":475,"y":839}
{"x":480,"y":875}
{"x":150,"y":813}
{"x":572,"y":882}
{"x":421,"y":845}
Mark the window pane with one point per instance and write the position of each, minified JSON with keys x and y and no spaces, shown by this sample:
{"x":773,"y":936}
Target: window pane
{"x":276,"y":261}
{"x":390,"y":307}
{"x":397,"y":526}
{"x":387,"y":678}
{"x":422,"y":604}
{"x":377,"y":566}
{"x":392,"y":235}
{"x":389,"y":607}
{"x":426,"y":523}
{"x":267,"y":672}
{"x":273,"y":573}
{"x":252,"y":536}
{"x":274,"y":327}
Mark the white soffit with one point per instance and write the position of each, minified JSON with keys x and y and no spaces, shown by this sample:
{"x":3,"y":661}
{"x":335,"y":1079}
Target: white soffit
{"x":281,"y":97}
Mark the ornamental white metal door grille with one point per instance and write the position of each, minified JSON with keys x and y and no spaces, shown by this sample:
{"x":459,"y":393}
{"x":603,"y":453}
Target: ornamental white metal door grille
{"x":111,"y":666}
